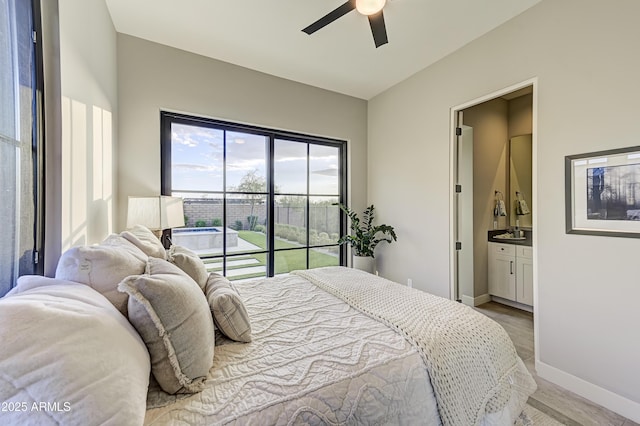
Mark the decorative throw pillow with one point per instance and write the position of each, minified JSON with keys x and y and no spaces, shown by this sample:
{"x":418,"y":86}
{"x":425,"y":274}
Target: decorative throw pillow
{"x":190,"y":263}
{"x":145,"y":240}
{"x":102,"y":267}
{"x":171,"y":314}
{"x":227,"y":308}
{"x":64,"y":345}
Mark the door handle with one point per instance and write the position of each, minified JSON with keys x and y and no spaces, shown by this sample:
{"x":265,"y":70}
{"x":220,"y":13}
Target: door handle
{"x":511,"y":267}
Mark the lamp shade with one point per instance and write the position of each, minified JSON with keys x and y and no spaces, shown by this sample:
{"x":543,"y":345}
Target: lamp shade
{"x":156,"y":213}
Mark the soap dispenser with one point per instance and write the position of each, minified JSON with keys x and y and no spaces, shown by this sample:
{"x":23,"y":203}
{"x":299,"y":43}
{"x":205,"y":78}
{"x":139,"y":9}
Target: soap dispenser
{"x":517,"y":233}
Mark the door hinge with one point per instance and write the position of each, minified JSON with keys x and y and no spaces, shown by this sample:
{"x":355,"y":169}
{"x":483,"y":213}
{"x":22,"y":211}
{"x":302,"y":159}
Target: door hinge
{"x":458,"y":245}
{"x":458,"y":189}
{"x":458,"y":131}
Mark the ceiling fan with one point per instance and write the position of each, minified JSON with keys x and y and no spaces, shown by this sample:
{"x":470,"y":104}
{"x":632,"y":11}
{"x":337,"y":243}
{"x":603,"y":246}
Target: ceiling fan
{"x":370,"y":8}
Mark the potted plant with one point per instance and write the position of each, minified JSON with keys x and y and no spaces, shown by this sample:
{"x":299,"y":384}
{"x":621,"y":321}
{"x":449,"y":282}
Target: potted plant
{"x":365,"y":236}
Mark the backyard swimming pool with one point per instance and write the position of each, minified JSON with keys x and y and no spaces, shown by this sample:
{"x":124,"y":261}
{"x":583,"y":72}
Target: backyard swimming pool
{"x":204,"y":238}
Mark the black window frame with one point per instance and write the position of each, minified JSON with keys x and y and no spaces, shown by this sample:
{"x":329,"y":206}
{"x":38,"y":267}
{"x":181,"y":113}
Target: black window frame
{"x":39,"y":142}
{"x":167,"y":119}
{"x":32,"y":255}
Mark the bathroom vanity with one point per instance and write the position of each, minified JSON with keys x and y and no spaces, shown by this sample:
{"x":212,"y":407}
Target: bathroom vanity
{"x":510,"y":268}
{"x":509,"y":251}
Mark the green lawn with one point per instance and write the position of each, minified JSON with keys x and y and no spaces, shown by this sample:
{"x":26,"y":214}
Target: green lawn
{"x":289,"y":260}
{"x":285,"y":261}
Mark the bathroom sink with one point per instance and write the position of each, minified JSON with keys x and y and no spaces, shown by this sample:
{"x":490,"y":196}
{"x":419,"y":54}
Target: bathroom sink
{"x":508,"y":236}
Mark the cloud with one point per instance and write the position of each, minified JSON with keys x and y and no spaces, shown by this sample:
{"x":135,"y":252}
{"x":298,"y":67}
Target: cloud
{"x":193,"y":136}
{"x":198,"y":160}
{"x":329,"y":157}
{"x":183,"y":140}
{"x":289,"y":159}
{"x":331,"y":171}
{"x":196,"y":167}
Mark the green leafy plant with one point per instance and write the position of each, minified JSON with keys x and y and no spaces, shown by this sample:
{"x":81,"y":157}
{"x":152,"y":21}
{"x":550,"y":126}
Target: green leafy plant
{"x":364,"y":234}
{"x":216,"y":222}
{"x":201,"y":224}
{"x":252,"y":221}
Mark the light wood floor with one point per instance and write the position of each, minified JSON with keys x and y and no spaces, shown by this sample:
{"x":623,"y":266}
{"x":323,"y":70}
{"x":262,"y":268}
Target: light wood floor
{"x":563,"y":405}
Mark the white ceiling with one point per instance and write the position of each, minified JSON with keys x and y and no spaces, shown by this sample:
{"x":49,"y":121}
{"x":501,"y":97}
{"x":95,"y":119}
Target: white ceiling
{"x":266,"y":36}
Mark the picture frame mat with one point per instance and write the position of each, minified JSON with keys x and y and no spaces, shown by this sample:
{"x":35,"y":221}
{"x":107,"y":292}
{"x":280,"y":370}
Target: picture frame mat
{"x":576,"y":167}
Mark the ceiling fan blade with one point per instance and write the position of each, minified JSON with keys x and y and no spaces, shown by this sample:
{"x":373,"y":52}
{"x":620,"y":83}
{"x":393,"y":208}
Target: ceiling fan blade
{"x":378,"y":29}
{"x":331,"y":16}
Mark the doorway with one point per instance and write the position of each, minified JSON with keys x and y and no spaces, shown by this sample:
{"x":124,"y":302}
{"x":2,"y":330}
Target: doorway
{"x":482,"y":179}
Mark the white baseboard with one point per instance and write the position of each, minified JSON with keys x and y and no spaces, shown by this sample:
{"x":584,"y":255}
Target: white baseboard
{"x":512,"y":303}
{"x":614,"y":402}
{"x":475,"y":301}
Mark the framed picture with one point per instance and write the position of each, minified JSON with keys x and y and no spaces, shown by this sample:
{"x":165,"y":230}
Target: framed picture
{"x":602,"y":193}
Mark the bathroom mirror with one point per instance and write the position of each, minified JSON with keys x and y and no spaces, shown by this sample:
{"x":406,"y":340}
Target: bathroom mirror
{"x":520,"y":180}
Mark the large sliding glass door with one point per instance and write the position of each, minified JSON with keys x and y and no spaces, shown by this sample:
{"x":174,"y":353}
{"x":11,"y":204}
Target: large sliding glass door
{"x":257,"y":202}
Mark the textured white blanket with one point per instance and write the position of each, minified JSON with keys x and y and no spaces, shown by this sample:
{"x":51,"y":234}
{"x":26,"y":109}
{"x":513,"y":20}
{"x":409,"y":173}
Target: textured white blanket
{"x":470,"y":358}
{"x":313,"y":360}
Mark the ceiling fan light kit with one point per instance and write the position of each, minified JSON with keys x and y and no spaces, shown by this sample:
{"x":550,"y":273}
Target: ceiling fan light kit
{"x":370,"y":8}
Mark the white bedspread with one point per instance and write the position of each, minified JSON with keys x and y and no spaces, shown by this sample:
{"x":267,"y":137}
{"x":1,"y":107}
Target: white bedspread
{"x":313,"y":360}
{"x":316,"y":360}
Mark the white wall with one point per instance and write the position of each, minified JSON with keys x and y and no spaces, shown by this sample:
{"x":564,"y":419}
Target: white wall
{"x":89,"y":110}
{"x":582,"y":52}
{"x":153,"y":77}
{"x":49,"y":14}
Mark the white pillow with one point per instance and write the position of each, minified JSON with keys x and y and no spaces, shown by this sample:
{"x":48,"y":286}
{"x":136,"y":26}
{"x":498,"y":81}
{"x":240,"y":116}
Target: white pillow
{"x":145,"y":240}
{"x":190,"y":263}
{"x":171,"y":314}
{"x":103,"y":266}
{"x":68,"y":357}
{"x":28,"y":282}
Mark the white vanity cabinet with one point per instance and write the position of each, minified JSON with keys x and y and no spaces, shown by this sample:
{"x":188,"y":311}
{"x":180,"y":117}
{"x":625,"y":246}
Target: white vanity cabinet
{"x":524,"y":275}
{"x":511,"y":272}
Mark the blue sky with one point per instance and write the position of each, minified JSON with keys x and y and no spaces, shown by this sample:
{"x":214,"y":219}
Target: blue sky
{"x":197,"y":161}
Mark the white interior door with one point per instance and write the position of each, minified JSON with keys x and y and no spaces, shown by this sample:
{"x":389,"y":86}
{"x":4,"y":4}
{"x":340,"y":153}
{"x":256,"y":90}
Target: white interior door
{"x":465,"y":214}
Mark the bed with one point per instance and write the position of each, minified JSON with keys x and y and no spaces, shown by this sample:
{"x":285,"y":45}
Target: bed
{"x":328,"y":346}
{"x":320,"y":357}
